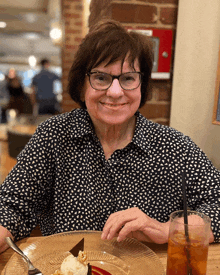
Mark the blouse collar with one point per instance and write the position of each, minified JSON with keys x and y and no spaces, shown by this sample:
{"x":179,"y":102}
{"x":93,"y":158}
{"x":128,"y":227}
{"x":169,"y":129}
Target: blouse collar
{"x":83,"y":127}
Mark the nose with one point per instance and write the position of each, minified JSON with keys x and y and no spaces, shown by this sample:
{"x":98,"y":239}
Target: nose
{"x":115,"y":90}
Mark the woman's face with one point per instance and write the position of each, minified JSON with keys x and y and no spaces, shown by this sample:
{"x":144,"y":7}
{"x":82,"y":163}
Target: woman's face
{"x":114,"y":106}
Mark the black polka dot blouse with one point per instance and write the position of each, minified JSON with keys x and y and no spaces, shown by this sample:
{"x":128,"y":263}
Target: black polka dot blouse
{"x":63,"y":182}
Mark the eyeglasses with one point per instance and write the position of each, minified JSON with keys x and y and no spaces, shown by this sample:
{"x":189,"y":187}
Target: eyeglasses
{"x":102,"y":81}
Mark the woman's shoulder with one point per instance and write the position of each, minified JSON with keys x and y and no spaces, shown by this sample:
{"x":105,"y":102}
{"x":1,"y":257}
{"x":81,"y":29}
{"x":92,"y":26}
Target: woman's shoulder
{"x":65,"y":117}
{"x":65,"y":122}
{"x":159,"y":131}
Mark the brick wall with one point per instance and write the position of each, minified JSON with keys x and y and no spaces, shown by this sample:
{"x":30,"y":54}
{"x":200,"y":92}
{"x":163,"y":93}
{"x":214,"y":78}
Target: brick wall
{"x":160,"y":14}
{"x":72,"y":18}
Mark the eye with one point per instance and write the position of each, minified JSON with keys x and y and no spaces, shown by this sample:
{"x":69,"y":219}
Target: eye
{"x":101,"y":77}
{"x":128,"y":77}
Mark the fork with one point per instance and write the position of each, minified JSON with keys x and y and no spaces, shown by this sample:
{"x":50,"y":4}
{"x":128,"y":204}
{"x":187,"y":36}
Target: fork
{"x":31,"y":269}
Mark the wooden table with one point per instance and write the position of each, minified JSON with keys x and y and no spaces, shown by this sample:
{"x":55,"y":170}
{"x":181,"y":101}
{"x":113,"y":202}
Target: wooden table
{"x":22,"y":127}
{"x":213,"y":265}
{"x":6,"y":162}
{"x":26,"y":124}
{"x":3,"y":131}
{"x":19,"y":128}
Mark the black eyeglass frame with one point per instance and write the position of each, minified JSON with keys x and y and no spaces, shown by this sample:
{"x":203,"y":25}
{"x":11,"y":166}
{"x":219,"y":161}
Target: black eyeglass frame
{"x":115,"y":77}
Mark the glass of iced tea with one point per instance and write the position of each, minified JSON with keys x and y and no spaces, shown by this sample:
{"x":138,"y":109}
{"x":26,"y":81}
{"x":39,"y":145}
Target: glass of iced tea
{"x":188,"y":244}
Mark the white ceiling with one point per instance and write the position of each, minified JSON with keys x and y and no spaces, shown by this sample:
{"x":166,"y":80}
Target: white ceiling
{"x":27,"y":31}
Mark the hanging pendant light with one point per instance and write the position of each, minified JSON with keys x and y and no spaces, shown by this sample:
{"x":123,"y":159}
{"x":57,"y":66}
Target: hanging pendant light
{"x":32,"y":61}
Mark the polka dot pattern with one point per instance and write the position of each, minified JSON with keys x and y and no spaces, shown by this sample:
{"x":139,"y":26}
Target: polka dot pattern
{"x":63,"y":182}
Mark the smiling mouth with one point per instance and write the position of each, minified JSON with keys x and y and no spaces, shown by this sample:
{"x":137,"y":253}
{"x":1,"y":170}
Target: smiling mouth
{"x":113,"y":105}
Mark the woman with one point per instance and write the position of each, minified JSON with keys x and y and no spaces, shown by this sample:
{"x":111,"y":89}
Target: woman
{"x":104,"y":166}
{"x":19,"y":100}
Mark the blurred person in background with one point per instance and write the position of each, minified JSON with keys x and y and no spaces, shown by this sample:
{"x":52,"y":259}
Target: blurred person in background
{"x":43,"y":95}
{"x":4,"y":99}
{"x":19,"y":100}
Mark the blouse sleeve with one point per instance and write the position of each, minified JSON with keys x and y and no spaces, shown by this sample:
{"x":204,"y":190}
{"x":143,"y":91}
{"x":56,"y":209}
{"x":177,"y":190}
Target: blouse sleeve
{"x":203,"y":186}
{"x":26,"y":192}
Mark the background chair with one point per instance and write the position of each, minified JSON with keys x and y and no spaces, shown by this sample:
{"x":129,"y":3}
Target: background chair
{"x":16,"y":142}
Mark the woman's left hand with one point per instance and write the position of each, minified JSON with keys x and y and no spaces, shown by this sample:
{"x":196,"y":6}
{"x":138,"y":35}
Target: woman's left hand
{"x":134,"y":223}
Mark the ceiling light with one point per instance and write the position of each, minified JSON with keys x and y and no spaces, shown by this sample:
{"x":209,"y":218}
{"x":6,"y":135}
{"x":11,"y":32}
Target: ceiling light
{"x":32,"y":60}
{"x":2,"y":77}
{"x":56,"y":33}
{"x":2,"y":24}
{"x":32,"y":35}
{"x":30,"y":17}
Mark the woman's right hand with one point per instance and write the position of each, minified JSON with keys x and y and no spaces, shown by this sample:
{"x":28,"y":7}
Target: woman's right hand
{"x":4,"y":233}
{"x":134,"y":223}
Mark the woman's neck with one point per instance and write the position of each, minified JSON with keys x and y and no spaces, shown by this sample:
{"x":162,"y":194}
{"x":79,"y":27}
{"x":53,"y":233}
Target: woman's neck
{"x":113,"y":137}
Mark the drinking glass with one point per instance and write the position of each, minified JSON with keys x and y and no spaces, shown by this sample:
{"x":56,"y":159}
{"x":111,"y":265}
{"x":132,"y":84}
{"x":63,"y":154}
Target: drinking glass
{"x":188,"y":243}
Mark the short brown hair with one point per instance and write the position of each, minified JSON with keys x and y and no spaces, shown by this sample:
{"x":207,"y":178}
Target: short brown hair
{"x":110,"y":41}
{"x":44,"y":61}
